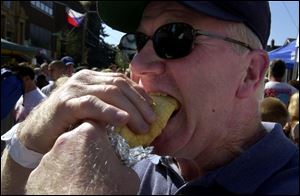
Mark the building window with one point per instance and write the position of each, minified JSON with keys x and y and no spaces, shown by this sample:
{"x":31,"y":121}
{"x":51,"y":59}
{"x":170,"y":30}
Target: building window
{"x":43,"y":6}
{"x":3,"y":21}
{"x":40,"y":37}
{"x":7,"y":4}
{"x":22,"y":33}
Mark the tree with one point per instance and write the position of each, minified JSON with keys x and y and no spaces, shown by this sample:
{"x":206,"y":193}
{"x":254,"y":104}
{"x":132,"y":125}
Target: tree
{"x":73,"y":43}
{"x":99,"y":53}
{"x":121,"y":59}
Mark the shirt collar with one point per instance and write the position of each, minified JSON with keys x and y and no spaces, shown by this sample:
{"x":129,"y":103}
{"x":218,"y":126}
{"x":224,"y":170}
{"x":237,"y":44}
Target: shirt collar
{"x":247,"y":172}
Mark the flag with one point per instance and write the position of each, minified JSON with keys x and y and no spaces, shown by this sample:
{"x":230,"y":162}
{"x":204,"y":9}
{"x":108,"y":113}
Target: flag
{"x":75,"y":18}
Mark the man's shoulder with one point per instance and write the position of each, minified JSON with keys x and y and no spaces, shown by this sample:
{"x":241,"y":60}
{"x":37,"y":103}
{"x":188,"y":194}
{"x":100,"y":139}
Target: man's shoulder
{"x":281,"y":163}
{"x":278,"y":85}
{"x":285,"y":180}
{"x":48,"y":86}
{"x":46,"y":89}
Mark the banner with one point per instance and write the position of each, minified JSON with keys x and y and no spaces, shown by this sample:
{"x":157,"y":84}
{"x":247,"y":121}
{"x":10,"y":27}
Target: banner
{"x":75,"y":18}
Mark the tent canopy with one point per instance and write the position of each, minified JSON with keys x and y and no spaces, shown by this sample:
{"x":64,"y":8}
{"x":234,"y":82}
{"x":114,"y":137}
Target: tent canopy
{"x":10,"y":47}
{"x":285,"y":53}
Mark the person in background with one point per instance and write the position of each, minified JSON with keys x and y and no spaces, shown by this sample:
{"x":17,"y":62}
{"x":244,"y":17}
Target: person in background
{"x":293,"y":126}
{"x":275,"y":87}
{"x":44,"y":70}
{"x":294,"y":83}
{"x":274,"y":110}
{"x":42,"y":79}
{"x":69,"y":62}
{"x":56,"y":70}
{"x":210,"y":57}
{"x":11,"y":90}
{"x":32,"y":94}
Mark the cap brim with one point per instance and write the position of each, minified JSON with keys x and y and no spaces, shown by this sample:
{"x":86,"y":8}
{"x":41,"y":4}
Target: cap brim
{"x":123,"y":16}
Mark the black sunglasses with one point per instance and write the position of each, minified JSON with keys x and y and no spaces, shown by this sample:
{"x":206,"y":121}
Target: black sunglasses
{"x":170,"y":41}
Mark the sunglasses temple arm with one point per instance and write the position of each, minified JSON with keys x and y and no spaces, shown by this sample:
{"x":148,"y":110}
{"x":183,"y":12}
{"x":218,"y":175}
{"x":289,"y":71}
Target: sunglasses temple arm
{"x":224,"y":38}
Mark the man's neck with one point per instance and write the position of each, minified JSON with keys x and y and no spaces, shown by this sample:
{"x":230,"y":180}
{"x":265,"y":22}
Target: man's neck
{"x":29,"y":88}
{"x":276,"y":79}
{"x":218,"y":156}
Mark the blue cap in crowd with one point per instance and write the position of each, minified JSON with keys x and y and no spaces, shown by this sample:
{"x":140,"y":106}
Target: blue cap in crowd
{"x":67,"y":60}
{"x":254,"y":14}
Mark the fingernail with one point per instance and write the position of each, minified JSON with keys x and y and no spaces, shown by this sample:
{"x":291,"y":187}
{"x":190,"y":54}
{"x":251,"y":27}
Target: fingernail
{"x":144,"y":128}
{"x":151,"y":116}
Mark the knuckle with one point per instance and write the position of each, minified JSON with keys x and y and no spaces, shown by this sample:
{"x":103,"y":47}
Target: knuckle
{"x":87,"y":101}
{"x":112,"y":90}
{"x":81,"y":75}
{"x":119,"y":81}
{"x":71,"y":90}
{"x":119,"y":75}
{"x":106,"y":109}
{"x":61,"y":142}
{"x":88,"y":131}
{"x":75,"y":86}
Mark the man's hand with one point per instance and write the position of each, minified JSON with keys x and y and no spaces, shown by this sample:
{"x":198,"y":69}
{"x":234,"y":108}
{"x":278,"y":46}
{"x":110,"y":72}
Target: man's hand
{"x":88,"y":96}
{"x":106,"y":98}
{"x":82,"y":161}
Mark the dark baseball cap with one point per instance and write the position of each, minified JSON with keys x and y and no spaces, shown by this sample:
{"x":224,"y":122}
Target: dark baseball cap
{"x":125,"y":15}
{"x":67,"y":60}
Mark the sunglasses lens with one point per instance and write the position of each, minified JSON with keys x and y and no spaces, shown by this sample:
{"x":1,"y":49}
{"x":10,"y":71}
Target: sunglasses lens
{"x":131,"y":43}
{"x":141,"y":40}
{"x":128,"y":45}
{"x":173,"y":41}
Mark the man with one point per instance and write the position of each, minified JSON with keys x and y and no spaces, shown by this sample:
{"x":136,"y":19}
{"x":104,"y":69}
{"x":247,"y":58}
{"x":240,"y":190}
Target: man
{"x":11,"y":91}
{"x":275,"y":87}
{"x":215,"y":142}
{"x":42,"y":77}
{"x":32,"y":94}
{"x":56,"y":69}
{"x":69,"y":62}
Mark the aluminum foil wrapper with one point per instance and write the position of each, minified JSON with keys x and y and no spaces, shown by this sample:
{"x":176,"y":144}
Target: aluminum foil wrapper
{"x":128,"y":156}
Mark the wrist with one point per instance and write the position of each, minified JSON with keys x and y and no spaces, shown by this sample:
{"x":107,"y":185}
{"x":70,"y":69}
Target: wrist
{"x":29,"y":136}
{"x":18,"y":152}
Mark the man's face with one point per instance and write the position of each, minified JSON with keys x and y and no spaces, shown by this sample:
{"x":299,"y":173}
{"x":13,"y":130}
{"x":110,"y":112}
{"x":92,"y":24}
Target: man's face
{"x":204,"y":82}
{"x":45,"y":70}
{"x":55,"y":72}
{"x":70,"y":69}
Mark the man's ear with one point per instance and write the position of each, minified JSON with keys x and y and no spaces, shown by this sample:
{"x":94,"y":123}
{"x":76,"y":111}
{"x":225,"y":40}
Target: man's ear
{"x":255,"y":73}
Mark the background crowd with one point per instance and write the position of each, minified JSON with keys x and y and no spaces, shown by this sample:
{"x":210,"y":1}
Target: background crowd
{"x":24,"y":86}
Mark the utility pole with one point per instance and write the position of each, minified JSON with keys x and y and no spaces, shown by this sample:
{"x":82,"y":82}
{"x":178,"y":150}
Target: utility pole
{"x":83,"y":53}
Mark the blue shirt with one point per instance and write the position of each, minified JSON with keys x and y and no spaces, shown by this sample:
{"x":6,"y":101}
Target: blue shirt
{"x":271,"y":166}
{"x":11,"y":91}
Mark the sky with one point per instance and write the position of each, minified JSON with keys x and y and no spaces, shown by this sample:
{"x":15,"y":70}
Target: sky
{"x":284,"y":23}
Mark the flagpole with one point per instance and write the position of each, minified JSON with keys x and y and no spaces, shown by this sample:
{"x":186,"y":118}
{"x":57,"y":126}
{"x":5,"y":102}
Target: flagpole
{"x":83,"y":39}
{"x":70,"y":31}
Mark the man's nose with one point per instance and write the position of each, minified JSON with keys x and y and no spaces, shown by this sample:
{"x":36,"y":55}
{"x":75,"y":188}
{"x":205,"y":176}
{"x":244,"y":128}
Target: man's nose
{"x":147,"y":62}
